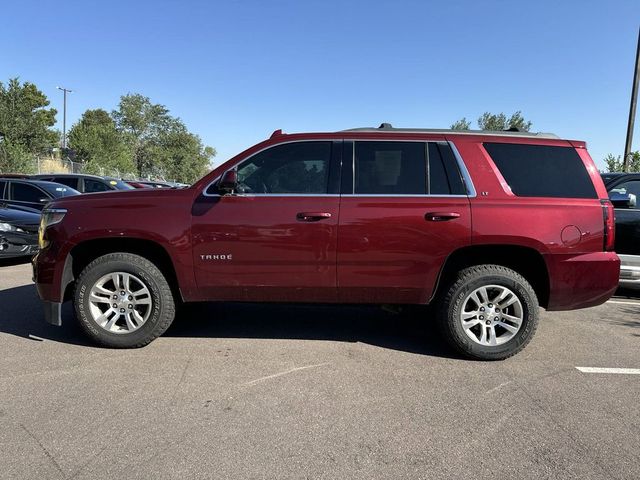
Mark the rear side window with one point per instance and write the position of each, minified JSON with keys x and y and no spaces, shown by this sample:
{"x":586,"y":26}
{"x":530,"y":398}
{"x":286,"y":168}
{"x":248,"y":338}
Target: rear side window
{"x":68,"y":181}
{"x":92,"y":186}
{"x":406,"y":168}
{"x":444,"y":174}
{"x":392,"y":168}
{"x":541,"y":170}
{"x":2,"y":184}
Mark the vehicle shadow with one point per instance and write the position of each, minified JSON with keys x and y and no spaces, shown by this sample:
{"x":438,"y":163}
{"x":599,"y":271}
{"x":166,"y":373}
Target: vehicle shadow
{"x":410,"y":330}
{"x":10,"y":262}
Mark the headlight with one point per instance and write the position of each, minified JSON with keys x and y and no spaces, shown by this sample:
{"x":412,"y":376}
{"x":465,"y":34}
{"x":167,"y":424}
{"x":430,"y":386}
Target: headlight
{"x":50,"y":216}
{"x":7,"y":227}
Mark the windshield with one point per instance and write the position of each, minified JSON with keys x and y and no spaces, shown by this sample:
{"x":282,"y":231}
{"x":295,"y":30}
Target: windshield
{"x":119,"y":184}
{"x":58,"y":190}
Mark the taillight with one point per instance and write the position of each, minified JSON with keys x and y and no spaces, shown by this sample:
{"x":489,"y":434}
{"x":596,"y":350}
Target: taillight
{"x":609,"y":225}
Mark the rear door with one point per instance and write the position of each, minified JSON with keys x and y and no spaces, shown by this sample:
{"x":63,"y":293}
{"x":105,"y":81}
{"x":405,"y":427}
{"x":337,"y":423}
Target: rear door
{"x":404,"y":208}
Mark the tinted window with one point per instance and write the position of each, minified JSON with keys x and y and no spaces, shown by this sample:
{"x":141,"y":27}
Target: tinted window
{"x":542,"y":171}
{"x":632,"y":186}
{"x":291,"y":168}
{"x":57,"y":190}
{"x":92,"y":186}
{"x":68,"y":181}
{"x":396,"y":168}
{"x":444,"y":175}
{"x":2,"y":184}
{"x":22,"y":192}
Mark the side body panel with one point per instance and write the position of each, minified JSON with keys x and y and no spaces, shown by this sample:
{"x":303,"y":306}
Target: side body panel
{"x":162,"y":217}
{"x":569,"y":233}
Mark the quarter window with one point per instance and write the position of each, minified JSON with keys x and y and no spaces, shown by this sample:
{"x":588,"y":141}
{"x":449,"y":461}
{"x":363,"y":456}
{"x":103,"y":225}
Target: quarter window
{"x":542,"y":170}
{"x":292,"y":168}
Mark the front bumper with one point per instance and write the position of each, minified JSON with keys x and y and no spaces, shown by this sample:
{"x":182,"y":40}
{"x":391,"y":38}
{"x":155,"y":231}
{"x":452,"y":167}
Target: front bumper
{"x":583,"y":280}
{"x":630,"y":271}
{"x":16,"y":244}
{"x":51,"y":279}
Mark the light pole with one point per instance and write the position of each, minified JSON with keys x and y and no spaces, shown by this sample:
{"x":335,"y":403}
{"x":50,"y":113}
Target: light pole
{"x":632,"y":110}
{"x":64,"y":117}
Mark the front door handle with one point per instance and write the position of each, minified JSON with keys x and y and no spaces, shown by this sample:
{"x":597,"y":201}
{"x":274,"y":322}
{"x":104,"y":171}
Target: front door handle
{"x":441,"y":216}
{"x":312,"y":216}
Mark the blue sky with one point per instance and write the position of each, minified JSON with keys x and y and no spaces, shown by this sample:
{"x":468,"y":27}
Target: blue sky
{"x":234,"y":71}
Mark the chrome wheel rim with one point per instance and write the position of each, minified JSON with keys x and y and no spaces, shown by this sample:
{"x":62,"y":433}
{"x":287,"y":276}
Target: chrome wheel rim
{"x":491,"y":315}
{"x":120,"y":302}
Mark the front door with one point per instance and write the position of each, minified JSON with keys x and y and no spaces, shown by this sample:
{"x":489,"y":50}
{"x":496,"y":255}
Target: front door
{"x":404,"y":208}
{"x":274,"y":238}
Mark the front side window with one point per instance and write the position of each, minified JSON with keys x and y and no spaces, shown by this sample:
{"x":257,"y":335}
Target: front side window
{"x":626,"y":188}
{"x":26,"y":193}
{"x":292,"y":168}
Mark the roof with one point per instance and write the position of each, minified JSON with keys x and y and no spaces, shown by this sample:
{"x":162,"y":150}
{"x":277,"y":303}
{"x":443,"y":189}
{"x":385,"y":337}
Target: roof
{"x":386,"y":127}
{"x":49,"y":175}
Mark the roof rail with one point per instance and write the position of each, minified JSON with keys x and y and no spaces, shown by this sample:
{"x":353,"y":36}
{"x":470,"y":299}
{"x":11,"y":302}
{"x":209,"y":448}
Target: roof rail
{"x":511,"y":132}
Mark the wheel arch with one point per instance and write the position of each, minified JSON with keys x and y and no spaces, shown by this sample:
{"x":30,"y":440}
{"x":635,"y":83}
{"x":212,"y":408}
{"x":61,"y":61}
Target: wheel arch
{"x":527,"y":261}
{"x":85,"y":252}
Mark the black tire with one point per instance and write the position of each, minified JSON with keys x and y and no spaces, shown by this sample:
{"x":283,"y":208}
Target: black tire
{"x":450,"y":307}
{"x":162,"y":302}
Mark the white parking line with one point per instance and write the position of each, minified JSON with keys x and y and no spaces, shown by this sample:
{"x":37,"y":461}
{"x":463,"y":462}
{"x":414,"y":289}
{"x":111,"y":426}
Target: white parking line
{"x":622,"y":371}
{"x":623,"y":303}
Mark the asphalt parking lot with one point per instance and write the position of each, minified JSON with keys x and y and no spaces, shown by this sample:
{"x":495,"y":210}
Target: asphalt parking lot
{"x":263,"y":391}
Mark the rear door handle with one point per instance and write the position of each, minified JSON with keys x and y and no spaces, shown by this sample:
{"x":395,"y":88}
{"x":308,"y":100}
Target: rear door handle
{"x":441,"y":216}
{"x":312,"y":216}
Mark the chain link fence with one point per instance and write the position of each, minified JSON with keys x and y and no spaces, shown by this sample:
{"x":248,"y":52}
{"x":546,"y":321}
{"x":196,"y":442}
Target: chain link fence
{"x":57,"y":165}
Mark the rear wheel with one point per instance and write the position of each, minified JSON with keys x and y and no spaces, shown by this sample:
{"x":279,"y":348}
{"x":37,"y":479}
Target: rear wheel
{"x":123,"y":300}
{"x":488,"y":312}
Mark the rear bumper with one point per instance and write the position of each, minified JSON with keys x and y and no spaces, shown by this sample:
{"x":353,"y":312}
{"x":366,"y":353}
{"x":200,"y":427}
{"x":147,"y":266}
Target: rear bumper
{"x":630,"y":271}
{"x":581,"y":281}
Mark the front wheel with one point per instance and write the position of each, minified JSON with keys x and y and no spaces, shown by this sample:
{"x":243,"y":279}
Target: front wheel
{"x":123,"y":300}
{"x":488,"y":312}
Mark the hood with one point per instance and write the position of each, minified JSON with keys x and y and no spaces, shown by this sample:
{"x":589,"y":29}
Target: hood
{"x":18,"y":217}
{"x":133,"y":197}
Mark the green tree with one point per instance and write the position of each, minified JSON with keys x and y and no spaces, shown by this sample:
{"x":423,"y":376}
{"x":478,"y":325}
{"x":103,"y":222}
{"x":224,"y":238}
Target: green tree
{"x":160,"y":144}
{"x":25,"y":125}
{"x":462,"y":124}
{"x":98,"y":144}
{"x":180,"y":155}
{"x":614,"y":163}
{"x":495,"y":122}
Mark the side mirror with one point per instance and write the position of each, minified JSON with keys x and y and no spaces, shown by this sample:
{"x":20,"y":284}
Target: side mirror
{"x":623,"y":200}
{"x":229,"y":182}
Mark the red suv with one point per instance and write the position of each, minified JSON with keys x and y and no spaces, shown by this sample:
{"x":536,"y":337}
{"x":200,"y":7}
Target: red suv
{"x":486,"y":226}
